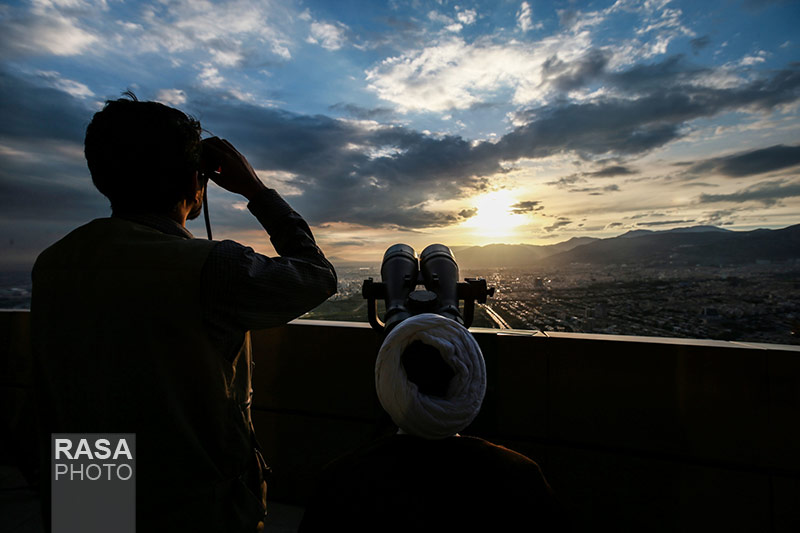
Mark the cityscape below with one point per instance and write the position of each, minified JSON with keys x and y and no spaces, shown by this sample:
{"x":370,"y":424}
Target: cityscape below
{"x":755,"y":303}
{"x":699,"y":282}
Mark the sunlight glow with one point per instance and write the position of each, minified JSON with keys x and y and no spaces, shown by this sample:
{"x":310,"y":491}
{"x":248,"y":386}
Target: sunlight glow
{"x":495,"y":218}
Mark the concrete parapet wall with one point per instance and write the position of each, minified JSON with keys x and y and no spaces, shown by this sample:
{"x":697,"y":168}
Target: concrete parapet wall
{"x":636,"y":433}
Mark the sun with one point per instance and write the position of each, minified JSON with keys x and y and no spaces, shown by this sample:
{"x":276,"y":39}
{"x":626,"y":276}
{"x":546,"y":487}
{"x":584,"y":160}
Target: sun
{"x":495,"y":218}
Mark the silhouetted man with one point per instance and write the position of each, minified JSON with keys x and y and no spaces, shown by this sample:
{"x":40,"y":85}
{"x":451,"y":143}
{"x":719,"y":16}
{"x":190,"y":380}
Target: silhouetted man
{"x":140,"y":328}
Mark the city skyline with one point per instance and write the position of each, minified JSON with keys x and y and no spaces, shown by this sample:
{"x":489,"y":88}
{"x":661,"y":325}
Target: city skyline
{"x":466,"y":123}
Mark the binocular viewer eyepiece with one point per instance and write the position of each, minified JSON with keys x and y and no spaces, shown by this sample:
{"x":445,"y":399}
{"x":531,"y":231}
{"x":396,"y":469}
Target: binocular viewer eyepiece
{"x":436,"y":269}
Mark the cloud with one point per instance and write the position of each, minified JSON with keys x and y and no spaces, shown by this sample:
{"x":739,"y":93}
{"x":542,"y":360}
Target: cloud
{"x":348,"y":243}
{"x":610,"y":172}
{"x":453,"y":74}
{"x":44,"y":29}
{"x":33,"y":112}
{"x":468,"y":213}
{"x":229,"y":33}
{"x":466,"y":16}
{"x":463,"y":17}
{"x":171,"y":97}
{"x":45,"y":187}
{"x":210,"y":77}
{"x":336,"y":159}
{"x":626,"y":126}
{"x":719,"y":217}
{"x":754,"y":59}
{"x":749,"y":163}
{"x":664,"y":222}
{"x":768,"y":193}
{"x":45,"y":190}
{"x":362,"y":113}
{"x":567,"y":76}
{"x":699,"y":43}
{"x":566,"y":181}
{"x":597,"y":191}
{"x":527,"y":206}
{"x":525,"y":18}
{"x":559,"y":223}
{"x":378,"y":175}
{"x":73,"y":88}
{"x":47,"y":181}
{"x":330,"y":36}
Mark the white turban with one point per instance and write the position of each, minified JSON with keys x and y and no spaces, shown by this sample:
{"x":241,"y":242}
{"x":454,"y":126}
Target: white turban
{"x":431,"y":417}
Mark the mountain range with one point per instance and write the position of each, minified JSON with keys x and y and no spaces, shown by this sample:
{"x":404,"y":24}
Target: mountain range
{"x":703,"y":245}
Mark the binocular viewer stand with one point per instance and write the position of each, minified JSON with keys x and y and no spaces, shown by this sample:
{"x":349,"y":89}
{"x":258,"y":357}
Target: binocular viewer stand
{"x":437,"y":271}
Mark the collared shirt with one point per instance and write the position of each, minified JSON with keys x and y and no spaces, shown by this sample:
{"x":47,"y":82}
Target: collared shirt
{"x":244,"y":290}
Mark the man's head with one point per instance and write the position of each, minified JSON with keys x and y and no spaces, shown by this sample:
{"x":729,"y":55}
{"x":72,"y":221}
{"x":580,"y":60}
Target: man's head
{"x":426,"y":369}
{"x":430,"y":376}
{"x":143,"y":156}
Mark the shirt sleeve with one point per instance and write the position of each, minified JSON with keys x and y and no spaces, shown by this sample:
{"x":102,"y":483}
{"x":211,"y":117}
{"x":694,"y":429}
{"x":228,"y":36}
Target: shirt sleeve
{"x":246,"y":290}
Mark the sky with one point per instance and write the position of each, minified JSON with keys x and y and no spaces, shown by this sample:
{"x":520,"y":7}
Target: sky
{"x":465,"y":123}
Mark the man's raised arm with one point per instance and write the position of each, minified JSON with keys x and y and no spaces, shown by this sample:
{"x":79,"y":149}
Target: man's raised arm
{"x":248,"y":289}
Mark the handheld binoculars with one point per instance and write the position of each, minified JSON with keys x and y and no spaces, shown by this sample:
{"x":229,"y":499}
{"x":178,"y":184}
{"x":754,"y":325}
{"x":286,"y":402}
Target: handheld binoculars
{"x":436,"y":269}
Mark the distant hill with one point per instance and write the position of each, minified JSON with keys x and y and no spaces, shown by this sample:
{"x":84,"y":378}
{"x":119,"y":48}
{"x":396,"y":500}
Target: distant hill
{"x":692,"y":229}
{"x":705,"y":245}
{"x":702,"y":245}
{"x":512,"y":255}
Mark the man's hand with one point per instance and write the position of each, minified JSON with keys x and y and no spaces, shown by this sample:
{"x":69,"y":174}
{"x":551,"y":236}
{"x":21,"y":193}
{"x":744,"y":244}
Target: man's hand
{"x":229,"y":169}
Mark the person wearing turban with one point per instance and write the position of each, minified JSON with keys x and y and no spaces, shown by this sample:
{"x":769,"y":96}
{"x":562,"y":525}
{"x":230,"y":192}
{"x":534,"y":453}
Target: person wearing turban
{"x":430,"y":377}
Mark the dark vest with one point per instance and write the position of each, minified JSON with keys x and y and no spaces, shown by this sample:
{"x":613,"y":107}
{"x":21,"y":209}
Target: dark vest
{"x":120,"y":347}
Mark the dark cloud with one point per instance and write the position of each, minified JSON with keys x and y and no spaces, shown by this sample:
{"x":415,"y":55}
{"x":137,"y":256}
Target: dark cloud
{"x":43,"y":195}
{"x":767,"y":192}
{"x":347,"y":172}
{"x":565,"y":76}
{"x":567,"y":17}
{"x":702,"y":184}
{"x":43,"y":174}
{"x":526,"y":206}
{"x":597,"y":191}
{"x":610,"y":172}
{"x":468,"y":213}
{"x":699,"y":43}
{"x":750,"y":163}
{"x":720,"y":217}
{"x":614,"y":225}
{"x":362,"y":113}
{"x":348,"y":243}
{"x":559,"y":223}
{"x":644,"y":215}
{"x":47,"y":189}
{"x":30,"y":111}
{"x":670,"y":73}
{"x":664,"y":222}
{"x":636,"y":126}
{"x":566,"y":181}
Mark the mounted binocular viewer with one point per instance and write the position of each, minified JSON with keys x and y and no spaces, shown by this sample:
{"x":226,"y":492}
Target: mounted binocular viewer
{"x":436,"y":269}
